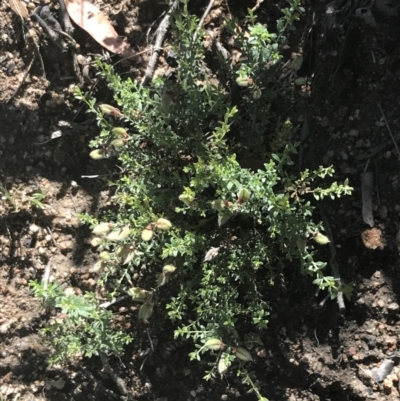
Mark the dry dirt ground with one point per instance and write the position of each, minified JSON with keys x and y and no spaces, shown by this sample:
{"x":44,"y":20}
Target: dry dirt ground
{"x":311,"y":352}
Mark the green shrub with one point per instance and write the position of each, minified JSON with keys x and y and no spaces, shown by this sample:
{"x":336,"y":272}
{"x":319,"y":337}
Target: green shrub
{"x":210,"y":234}
{"x":81,"y":327}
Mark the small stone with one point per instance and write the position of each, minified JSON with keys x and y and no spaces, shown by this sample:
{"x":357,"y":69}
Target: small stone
{"x":387,"y":384}
{"x":393,"y":306}
{"x":33,"y":228}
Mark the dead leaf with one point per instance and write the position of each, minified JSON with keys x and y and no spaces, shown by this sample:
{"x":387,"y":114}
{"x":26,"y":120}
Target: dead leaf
{"x":373,"y":238}
{"x":98,"y":26}
{"x":211,"y":254}
{"x":19,"y":8}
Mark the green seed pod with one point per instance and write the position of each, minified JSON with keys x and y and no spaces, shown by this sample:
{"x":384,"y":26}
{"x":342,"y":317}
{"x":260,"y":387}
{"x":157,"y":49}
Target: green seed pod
{"x":102,"y":228}
{"x":257,"y":93}
{"x":145,"y":311}
{"x":110,"y":110}
{"x":166,"y":102}
{"x":186,"y":199}
{"x":218,"y":204}
{"x":169,"y":269}
{"x":300,"y":81}
{"x":162,"y":279}
{"x":147,"y":235}
{"x":163,"y":224}
{"x":223,"y":365}
{"x":95,"y":241}
{"x":243,"y":81}
{"x":97,"y":154}
{"x":105,"y":256}
{"x":138,"y":294}
{"x":119,"y":131}
{"x":126,"y":253}
{"x":117,"y":143}
{"x":119,"y":235}
{"x":320,"y":238}
{"x":243,"y":195}
{"x":214,"y":344}
{"x":243,"y":354}
{"x":297,"y":63}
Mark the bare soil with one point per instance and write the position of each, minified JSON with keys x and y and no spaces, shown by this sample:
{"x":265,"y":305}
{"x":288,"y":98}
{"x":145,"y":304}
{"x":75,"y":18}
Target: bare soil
{"x":311,"y":352}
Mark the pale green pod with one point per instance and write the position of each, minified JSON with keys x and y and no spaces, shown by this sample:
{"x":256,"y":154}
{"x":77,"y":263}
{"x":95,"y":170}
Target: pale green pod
{"x":214,"y":344}
{"x":321,"y":238}
{"x":223,"y":365}
{"x":163,"y":224}
{"x":96,"y":241}
{"x":243,"y":195}
{"x":105,"y":256}
{"x":147,"y":235}
{"x":119,"y":235}
{"x":243,"y":354}
{"x":169,"y":269}
{"x":166,"y":102}
{"x":218,"y":204}
{"x":119,"y":131}
{"x":145,"y":311}
{"x":102,"y":228}
{"x":97,"y":154}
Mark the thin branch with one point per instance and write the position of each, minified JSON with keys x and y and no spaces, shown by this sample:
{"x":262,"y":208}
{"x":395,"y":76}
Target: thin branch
{"x":114,"y":301}
{"x":117,"y":380}
{"x":208,"y":9}
{"x":257,"y":5}
{"x":161,"y":32}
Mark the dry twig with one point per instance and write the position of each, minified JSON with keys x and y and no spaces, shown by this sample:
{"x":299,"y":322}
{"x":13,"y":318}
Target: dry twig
{"x":206,"y":12}
{"x":161,"y":32}
{"x":110,"y":371}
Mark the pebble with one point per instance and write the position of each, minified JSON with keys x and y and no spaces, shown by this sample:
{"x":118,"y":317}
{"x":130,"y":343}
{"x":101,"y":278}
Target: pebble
{"x":393,"y":306}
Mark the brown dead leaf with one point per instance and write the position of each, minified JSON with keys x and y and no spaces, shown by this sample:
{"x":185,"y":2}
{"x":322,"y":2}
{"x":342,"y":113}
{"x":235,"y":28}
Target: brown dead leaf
{"x":98,"y":26}
{"x":19,"y":8}
{"x":373,"y":238}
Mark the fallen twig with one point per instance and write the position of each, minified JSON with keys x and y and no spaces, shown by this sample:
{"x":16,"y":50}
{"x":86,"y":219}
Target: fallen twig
{"x":66,"y":22}
{"x":333,"y":263}
{"x":46,"y":275}
{"x":117,"y":380}
{"x":161,"y":32}
{"x":51,"y":235}
{"x":257,"y":5}
{"x":206,"y":12}
{"x":113,"y":301}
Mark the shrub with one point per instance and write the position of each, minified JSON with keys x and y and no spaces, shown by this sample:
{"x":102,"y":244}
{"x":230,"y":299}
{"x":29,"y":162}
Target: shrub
{"x":211,"y":234}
